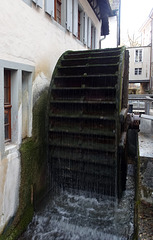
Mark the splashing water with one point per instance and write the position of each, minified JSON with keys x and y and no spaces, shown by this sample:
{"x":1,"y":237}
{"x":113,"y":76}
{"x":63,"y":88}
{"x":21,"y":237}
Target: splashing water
{"x":80,"y":215}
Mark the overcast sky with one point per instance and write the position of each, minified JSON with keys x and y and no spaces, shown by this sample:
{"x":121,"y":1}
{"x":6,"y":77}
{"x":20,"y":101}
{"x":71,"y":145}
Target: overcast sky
{"x":133,"y":14}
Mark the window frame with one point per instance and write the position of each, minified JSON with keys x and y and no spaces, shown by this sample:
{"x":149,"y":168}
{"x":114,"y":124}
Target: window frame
{"x":58,"y":11}
{"x":138,"y":55}
{"x":89,"y":33}
{"x":138,"y":71}
{"x":75,"y":7}
{"x":79,"y":24}
{"x":7,"y":105}
{"x":69,"y":15}
{"x":85,"y":28}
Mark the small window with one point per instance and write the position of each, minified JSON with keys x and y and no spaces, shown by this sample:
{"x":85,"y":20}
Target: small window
{"x":138,"y":71}
{"x":138,"y":55}
{"x":57,"y":6}
{"x":7,"y":104}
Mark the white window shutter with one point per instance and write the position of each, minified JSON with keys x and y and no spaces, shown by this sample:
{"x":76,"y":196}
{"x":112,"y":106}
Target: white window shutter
{"x":69,"y":15}
{"x":85,"y":29}
{"x":49,"y":7}
{"x":75,"y":18}
{"x":28,"y":2}
{"x":38,"y":3}
{"x":95,"y":37}
{"x":89,"y":33}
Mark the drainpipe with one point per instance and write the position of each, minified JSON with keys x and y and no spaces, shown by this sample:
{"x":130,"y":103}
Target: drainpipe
{"x":151,"y":57}
{"x":119,"y":24}
{"x":101,"y":41}
{"x":151,"y":64}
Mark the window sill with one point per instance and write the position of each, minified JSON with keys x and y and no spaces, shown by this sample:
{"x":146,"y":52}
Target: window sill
{"x":10,"y":147}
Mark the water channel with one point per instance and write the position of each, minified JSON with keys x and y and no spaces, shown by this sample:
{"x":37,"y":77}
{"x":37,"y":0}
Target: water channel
{"x":81,"y":215}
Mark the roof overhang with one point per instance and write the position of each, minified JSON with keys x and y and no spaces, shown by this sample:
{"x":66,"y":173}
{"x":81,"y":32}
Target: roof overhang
{"x":102,"y":10}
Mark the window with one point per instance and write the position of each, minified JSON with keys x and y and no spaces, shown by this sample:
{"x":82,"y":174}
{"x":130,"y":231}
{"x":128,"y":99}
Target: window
{"x":93,"y":37}
{"x":75,"y":17}
{"x":7,"y":104}
{"x":57,"y":10}
{"x":69,"y":15}
{"x":89,"y":33}
{"x":138,"y":71}
{"x":138,"y":55}
{"x":79,"y":23}
{"x":85,"y":27}
{"x":15,"y":103}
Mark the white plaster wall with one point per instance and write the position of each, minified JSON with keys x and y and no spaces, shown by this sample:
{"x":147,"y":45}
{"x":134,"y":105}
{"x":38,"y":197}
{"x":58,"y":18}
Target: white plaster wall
{"x":111,"y":40}
{"x":9,"y":184}
{"x":28,"y":36}
{"x":146,"y":33}
{"x":145,"y":64}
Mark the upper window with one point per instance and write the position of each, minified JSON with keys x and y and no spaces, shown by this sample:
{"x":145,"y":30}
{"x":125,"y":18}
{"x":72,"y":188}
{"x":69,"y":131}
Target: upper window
{"x":138,"y":55}
{"x":7,"y":104}
{"x":91,"y":34}
{"x":79,"y":23}
{"x":93,"y":37}
{"x":70,"y":14}
{"x":56,"y":8}
{"x":138,"y":71}
{"x":57,"y":11}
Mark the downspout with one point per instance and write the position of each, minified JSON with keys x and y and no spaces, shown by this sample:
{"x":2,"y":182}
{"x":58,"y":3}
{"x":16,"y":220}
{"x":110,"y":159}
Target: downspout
{"x":119,"y":24}
{"x":101,"y":41}
{"x":151,"y":55}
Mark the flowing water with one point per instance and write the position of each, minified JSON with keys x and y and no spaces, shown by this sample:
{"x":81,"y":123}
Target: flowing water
{"x":79,"y":215}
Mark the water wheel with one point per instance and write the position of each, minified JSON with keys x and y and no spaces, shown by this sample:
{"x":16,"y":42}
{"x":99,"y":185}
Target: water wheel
{"x":87,"y":120}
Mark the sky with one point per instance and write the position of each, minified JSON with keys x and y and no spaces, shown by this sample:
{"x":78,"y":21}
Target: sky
{"x":133,"y":14}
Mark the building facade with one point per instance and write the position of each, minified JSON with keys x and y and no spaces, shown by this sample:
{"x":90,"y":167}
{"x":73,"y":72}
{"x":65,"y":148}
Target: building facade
{"x":139,"y":67}
{"x":147,"y":40}
{"x":34,"y":34}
